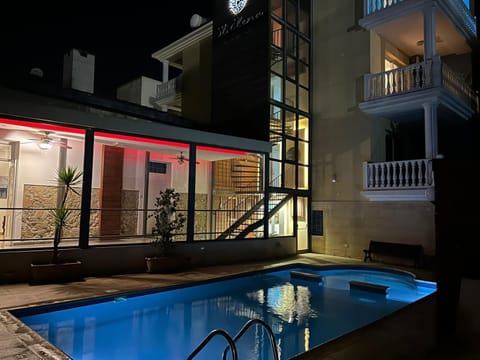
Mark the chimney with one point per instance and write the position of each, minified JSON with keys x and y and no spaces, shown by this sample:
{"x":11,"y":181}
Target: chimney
{"x":78,"y":71}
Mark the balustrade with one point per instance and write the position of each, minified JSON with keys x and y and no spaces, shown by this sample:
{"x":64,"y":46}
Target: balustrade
{"x":408,"y":174}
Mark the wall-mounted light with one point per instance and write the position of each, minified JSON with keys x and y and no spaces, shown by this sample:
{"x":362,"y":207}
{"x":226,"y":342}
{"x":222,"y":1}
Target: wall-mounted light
{"x":334,"y":178}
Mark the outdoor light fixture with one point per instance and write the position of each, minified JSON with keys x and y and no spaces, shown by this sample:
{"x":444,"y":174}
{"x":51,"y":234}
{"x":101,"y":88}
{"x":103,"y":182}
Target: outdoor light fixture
{"x":334,"y":178}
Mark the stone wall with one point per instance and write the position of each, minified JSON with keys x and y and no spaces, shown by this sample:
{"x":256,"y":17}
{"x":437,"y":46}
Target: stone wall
{"x":38,"y":223}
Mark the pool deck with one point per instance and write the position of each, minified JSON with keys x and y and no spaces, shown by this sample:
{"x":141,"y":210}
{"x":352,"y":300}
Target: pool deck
{"x":18,"y":342}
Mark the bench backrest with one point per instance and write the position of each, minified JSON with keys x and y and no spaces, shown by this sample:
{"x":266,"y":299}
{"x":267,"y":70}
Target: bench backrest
{"x":387,"y":248}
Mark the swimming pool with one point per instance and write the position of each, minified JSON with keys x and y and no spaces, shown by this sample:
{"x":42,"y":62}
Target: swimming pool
{"x":168,"y":324}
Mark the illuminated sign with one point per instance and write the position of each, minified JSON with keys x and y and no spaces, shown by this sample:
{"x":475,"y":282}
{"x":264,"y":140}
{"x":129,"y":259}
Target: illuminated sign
{"x":236,"y":6}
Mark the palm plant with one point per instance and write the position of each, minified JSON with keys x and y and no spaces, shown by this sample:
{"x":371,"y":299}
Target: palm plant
{"x":66,"y":178}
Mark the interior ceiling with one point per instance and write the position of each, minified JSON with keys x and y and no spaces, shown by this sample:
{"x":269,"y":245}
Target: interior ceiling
{"x":405,"y":33}
{"x":22,"y":134}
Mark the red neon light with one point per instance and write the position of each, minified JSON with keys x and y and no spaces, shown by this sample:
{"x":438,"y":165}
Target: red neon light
{"x":42,"y":126}
{"x":220,"y":150}
{"x":140,"y":139}
{"x":50,"y":127}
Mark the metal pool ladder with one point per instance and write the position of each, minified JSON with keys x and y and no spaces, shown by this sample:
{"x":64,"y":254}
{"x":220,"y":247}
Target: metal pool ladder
{"x":231,"y":341}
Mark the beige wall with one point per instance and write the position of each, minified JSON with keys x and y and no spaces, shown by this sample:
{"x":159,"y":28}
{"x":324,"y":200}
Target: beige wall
{"x":349,"y":226}
{"x":344,"y":137}
{"x":197,"y":75}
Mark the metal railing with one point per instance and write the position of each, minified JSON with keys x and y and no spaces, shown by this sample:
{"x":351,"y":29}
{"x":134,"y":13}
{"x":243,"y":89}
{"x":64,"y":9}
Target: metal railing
{"x":216,"y":332}
{"x":244,"y":329}
{"x":231,"y":341}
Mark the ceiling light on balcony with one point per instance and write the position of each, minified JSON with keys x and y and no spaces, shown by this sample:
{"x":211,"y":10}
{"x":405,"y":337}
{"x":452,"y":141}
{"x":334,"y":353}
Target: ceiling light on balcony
{"x":437,"y":40}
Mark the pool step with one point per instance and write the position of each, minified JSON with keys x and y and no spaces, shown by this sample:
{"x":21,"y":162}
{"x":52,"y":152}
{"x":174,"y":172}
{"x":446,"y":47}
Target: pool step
{"x":305,"y":276}
{"x":360,"y":285}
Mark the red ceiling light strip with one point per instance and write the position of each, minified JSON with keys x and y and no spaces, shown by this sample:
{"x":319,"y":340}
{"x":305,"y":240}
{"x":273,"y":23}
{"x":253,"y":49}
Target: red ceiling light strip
{"x":49,"y":127}
{"x":140,"y":139}
{"x":42,"y":126}
{"x":220,"y":150}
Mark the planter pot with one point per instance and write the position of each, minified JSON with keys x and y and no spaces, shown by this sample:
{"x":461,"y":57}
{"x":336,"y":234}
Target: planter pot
{"x":56,"y":273}
{"x":165,"y":264}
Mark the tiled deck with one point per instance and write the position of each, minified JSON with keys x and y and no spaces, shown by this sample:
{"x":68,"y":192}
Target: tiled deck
{"x":18,"y":342}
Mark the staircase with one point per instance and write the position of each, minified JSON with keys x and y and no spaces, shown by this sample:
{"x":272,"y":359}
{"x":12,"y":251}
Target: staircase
{"x":246,"y":225}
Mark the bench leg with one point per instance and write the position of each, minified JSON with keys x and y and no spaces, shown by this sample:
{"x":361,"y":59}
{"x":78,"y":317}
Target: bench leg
{"x":367,"y":256}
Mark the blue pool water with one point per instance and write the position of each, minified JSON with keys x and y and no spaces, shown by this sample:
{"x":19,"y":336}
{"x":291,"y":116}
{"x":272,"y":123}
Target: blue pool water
{"x":170,"y":324}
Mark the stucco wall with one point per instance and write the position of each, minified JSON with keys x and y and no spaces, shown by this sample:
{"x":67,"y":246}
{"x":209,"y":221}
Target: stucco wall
{"x":349,"y":226}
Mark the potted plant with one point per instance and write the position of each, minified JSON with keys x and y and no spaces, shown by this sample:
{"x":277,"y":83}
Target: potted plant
{"x":167,"y":222}
{"x":58,"y":270}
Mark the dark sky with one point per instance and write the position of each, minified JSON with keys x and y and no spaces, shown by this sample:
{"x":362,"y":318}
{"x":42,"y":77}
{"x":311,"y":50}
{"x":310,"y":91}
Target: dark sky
{"x":122,"y":37}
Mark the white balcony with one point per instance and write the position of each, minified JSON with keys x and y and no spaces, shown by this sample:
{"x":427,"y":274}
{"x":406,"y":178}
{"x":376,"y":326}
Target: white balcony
{"x":379,"y":13}
{"x":409,"y":180}
{"x":169,"y":93}
{"x":411,"y":86}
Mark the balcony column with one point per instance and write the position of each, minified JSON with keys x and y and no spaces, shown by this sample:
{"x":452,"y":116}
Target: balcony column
{"x":431,"y":133}
{"x":165,"y":78}
{"x":429,"y":33}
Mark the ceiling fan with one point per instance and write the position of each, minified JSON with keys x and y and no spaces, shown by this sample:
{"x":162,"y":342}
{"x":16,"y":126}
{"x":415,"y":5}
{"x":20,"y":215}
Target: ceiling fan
{"x":181,"y":158}
{"x":46,"y":141}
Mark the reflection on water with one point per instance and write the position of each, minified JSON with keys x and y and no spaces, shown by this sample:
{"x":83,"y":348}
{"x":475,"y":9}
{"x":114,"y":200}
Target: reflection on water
{"x":169,"y":325}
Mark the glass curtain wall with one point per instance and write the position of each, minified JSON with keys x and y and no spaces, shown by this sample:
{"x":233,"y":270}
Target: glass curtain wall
{"x":30,"y":156}
{"x":229,"y":193}
{"x":289,"y":113}
{"x":128,"y":174}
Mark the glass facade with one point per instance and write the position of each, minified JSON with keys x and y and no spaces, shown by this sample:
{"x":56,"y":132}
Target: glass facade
{"x":290,"y":115}
{"x":127,"y":174}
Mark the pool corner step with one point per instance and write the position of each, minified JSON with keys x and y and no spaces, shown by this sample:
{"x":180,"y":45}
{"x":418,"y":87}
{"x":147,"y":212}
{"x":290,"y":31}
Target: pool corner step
{"x":360,"y":285}
{"x":305,"y":276}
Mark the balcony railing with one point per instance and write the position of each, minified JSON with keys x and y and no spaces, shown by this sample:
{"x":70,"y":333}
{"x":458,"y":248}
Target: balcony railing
{"x":372,"y":6}
{"x":170,"y":88}
{"x":418,"y":76}
{"x":456,"y":8}
{"x":398,"y":175}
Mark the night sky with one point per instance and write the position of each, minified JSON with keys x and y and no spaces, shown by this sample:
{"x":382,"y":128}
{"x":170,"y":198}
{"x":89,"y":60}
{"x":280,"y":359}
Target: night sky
{"x":122,"y":37}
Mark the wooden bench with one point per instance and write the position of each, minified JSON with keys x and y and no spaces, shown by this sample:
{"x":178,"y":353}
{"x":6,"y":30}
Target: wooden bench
{"x":410,"y":251}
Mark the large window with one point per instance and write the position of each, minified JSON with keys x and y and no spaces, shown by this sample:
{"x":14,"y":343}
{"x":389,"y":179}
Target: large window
{"x":128,"y":174}
{"x":30,"y":156}
{"x":289,"y":161}
{"x":229,"y":194}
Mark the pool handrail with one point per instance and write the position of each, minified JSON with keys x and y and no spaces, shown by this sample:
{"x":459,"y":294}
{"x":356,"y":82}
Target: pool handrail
{"x":245,"y":328}
{"x":209,"y":337}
